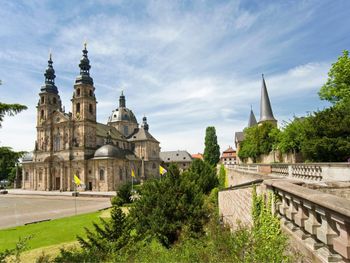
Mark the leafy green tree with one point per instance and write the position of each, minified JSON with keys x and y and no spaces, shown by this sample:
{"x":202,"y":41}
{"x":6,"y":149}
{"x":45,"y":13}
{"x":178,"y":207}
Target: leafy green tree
{"x":212,"y":149}
{"x":123,"y":195}
{"x":293,"y":135}
{"x":222,"y":177}
{"x":337,"y":87}
{"x":203,"y":174}
{"x":10,"y":109}
{"x":8,"y":161}
{"x":327,"y":135}
{"x":168,"y":206}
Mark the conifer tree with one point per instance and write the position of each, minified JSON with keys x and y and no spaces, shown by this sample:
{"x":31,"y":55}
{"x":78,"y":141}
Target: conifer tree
{"x":212,"y":149}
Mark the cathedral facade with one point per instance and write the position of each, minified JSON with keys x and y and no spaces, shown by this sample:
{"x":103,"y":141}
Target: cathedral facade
{"x":103,"y":156}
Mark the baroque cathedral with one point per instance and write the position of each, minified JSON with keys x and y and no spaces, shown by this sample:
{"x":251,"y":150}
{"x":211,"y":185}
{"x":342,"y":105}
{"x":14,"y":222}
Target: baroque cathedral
{"x":103,"y":156}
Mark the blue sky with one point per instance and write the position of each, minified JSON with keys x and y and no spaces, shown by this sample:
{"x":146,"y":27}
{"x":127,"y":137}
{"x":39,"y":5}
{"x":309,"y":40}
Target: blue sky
{"x":186,"y":65}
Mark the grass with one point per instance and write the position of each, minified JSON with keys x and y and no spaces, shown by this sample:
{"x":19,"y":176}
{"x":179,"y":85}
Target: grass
{"x":49,"y":233}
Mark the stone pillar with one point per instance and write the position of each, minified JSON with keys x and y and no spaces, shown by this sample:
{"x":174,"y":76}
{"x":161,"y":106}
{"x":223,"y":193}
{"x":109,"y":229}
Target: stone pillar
{"x":23,"y":178}
{"x":45,"y":178}
{"x":61,"y":177}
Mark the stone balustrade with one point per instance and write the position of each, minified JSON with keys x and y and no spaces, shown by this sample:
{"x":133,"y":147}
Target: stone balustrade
{"x":309,"y":172}
{"x":323,"y":220}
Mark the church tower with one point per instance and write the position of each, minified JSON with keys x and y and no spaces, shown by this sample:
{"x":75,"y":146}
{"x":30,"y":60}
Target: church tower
{"x":252,"y":120}
{"x":84,"y":106}
{"x":49,"y":102}
{"x":266,"y":114}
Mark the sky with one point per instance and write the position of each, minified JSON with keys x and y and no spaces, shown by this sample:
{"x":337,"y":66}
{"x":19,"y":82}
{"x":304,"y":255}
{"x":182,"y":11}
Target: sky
{"x":185,"y":65}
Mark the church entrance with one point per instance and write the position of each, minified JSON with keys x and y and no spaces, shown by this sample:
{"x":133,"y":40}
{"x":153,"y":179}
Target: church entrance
{"x":57,"y":183}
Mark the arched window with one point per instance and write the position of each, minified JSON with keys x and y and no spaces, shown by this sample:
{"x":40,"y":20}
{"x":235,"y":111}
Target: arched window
{"x":90,"y":108}
{"x":42,"y":99}
{"x":102,"y":175}
{"x":54,"y":100}
{"x":90,"y":93}
{"x":42,"y":114}
{"x":78,"y":92}
{"x":78,"y":108}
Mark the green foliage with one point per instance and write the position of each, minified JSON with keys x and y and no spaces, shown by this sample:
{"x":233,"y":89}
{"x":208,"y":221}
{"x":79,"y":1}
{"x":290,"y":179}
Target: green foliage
{"x":123,"y":195}
{"x":8,"y":160}
{"x":203,"y":174}
{"x":337,"y":87}
{"x":10,"y":109}
{"x":212,"y":149}
{"x":293,"y":135}
{"x":270,"y":242}
{"x":167,"y":206}
{"x":328,"y":135}
{"x":259,"y":139}
{"x":111,"y":234}
{"x":222,"y":177}
{"x":15,"y":252}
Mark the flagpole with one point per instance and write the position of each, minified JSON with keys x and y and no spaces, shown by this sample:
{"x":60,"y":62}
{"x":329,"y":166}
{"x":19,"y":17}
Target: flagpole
{"x":75,"y":198}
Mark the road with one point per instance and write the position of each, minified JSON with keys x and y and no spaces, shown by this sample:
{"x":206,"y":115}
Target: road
{"x":17,"y":210}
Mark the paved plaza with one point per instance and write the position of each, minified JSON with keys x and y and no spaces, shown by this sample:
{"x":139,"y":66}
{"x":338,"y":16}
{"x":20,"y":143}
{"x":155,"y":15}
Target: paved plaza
{"x":18,"y":210}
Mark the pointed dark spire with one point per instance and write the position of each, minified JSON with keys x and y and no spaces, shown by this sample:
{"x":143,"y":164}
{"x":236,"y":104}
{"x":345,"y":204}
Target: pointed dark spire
{"x":50,"y":76}
{"x":84,"y":66}
{"x":252,"y":120}
{"x":145,"y":125}
{"x":122,"y":100}
{"x":265,"y":105}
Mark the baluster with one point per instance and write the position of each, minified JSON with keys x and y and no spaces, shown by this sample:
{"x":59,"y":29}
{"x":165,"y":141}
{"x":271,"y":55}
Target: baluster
{"x":341,"y":244}
{"x":301,"y":216}
{"x":311,"y":224}
{"x":291,"y":211}
{"x":326,"y":232}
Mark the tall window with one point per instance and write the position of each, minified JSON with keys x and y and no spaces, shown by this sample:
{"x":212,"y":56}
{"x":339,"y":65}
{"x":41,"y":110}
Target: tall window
{"x":78,"y":92}
{"x":102,"y":175}
{"x":78,"y":108}
{"x":42,"y":114}
{"x":90,"y":93}
{"x":40,"y":176}
{"x":120,"y":174}
{"x":42,"y":99}
{"x":54,"y":100}
{"x":26,"y":177}
{"x":90,"y":108}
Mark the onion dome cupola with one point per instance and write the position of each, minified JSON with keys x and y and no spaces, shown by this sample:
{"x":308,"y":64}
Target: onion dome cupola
{"x":84,"y":66}
{"x":265,"y":105}
{"x":145,"y":125}
{"x":50,"y":76}
{"x":122,"y":118}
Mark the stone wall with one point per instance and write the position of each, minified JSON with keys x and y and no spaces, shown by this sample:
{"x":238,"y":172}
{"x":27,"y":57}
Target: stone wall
{"x":235,"y":206}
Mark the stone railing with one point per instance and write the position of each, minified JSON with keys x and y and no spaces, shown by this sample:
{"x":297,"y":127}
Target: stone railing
{"x":302,"y":171}
{"x":322,"y":221}
{"x":247,"y":167}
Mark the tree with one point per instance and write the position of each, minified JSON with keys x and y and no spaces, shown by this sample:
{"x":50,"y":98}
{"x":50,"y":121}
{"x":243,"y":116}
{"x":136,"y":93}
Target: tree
{"x":212,"y":149}
{"x":8,"y":160}
{"x":10,"y":109}
{"x":327,"y":135}
{"x":292,"y":136}
{"x":203,"y":174}
{"x":337,"y":87}
{"x":167,"y":207}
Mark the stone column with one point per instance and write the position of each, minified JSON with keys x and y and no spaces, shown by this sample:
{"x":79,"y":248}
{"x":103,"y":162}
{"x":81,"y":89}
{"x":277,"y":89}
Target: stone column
{"x":61,"y":177}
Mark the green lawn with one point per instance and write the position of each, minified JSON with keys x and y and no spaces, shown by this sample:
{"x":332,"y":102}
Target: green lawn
{"x":49,"y":233}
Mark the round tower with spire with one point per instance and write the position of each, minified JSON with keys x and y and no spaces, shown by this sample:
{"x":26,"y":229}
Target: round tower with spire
{"x":84,"y":105}
{"x":49,"y":100}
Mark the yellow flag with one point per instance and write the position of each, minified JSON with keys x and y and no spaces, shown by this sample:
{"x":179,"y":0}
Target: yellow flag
{"x":162,"y":171}
{"x":132,"y":173}
{"x":77,"y":180}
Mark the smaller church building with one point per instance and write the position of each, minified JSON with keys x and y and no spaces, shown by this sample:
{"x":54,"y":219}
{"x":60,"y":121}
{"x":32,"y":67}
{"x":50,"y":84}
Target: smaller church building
{"x":103,"y":156}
